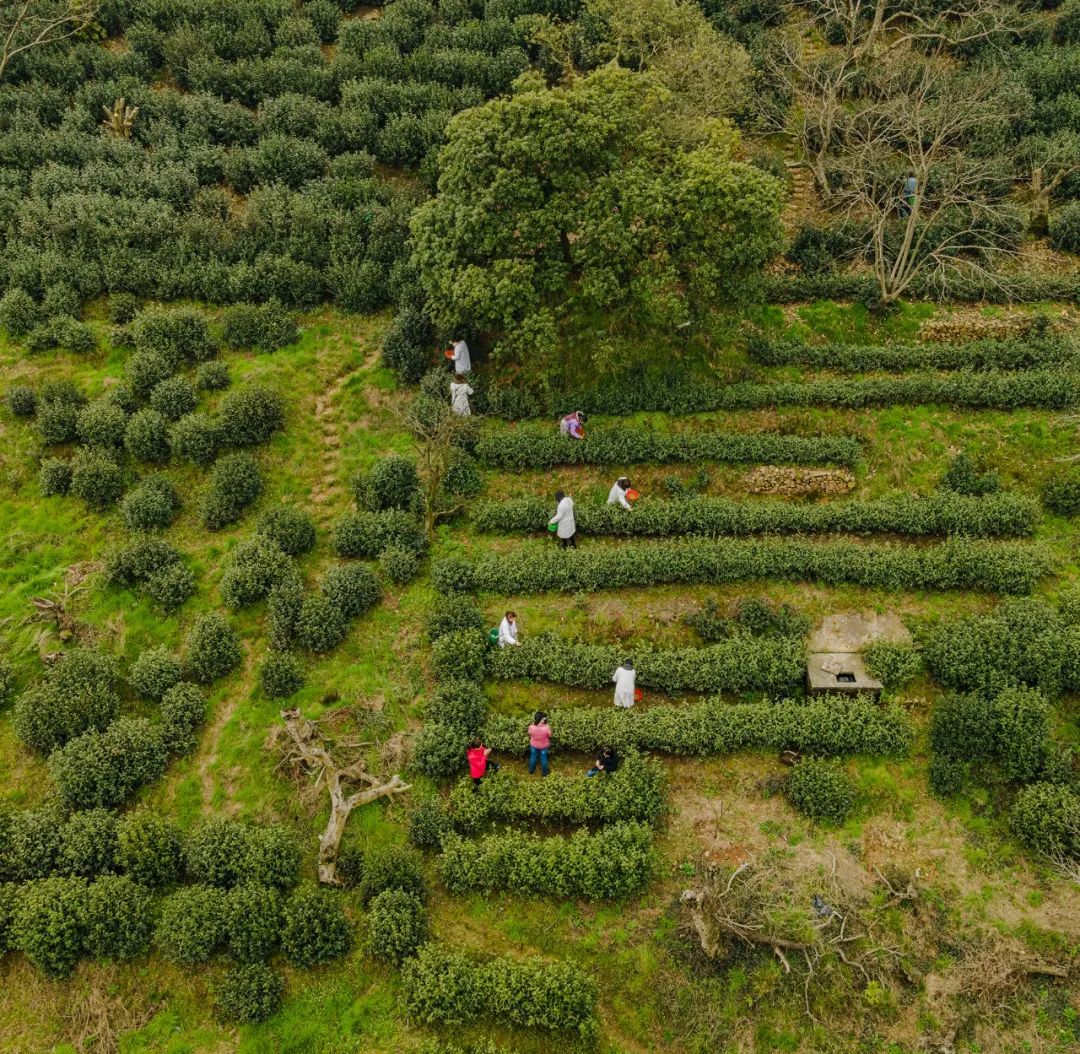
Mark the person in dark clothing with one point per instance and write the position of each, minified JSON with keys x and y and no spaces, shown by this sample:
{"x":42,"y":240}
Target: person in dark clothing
{"x":607,"y":762}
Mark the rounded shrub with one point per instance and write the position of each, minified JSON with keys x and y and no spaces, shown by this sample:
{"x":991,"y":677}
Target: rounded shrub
{"x":316,"y":929}
{"x":947,"y":776}
{"x":119,"y":918}
{"x":183,"y":710}
{"x":123,"y":307}
{"x":235,"y":482}
{"x":215,"y":852}
{"x":428,"y":822}
{"x":454,"y":614}
{"x":292,"y":529}
{"x":174,"y":397}
{"x":212,"y":376}
{"x":18,"y":312}
{"x":396,"y":925}
{"x":192,"y":925}
{"x":54,"y":476}
{"x":88,"y":843}
{"x":398,"y":565}
{"x":320,"y":624}
{"x":440,"y":750}
{"x":893,"y":663}
{"x":351,"y":588}
{"x":196,"y":438}
{"x":391,"y":483}
{"x":179,"y":334}
{"x":151,"y":506}
{"x":272,"y":858}
{"x":31,"y":845}
{"x":96,"y":478}
{"x":148,"y":848}
{"x":146,"y":370}
{"x":406,"y":347}
{"x":57,"y":422}
{"x":1065,"y":227}
{"x":102,"y":423}
{"x":1023,"y":732}
{"x":821,"y":790}
{"x":21,"y":400}
{"x":7,"y":681}
{"x":251,"y":415}
{"x":264,"y":326}
{"x":391,"y":867}
{"x":249,"y":993}
{"x":154,"y":672}
{"x":61,"y":299}
{"x":253,"y":568}
{"x":463,"y":479}
{"x":253,"y":917}
{"x":458,"y":701}
{"x":212,"y":650}
{"x":281,"y":675}
{"x":170,"y":586}
{"x":1061,"y":492}
{"x":147,"y":436}
{"x":1046,"y":818}
{"x":49,"y":927}
{"x":366,"y":534}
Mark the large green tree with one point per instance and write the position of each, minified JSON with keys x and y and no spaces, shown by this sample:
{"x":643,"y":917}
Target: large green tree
{"x":566,"y":215}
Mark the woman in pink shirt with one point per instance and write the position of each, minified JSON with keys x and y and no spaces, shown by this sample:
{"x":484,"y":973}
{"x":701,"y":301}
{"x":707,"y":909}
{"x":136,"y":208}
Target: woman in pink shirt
{"x":539,"y":741}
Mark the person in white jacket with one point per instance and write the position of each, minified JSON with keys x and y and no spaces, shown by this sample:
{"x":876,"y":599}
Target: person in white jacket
{"x":624,"y":678}
{"x":564,"y":518}
{"x":508,"y":630}
{"x":459,"y":396}
{"x":617,"y":494}
{"x":462,"y":361}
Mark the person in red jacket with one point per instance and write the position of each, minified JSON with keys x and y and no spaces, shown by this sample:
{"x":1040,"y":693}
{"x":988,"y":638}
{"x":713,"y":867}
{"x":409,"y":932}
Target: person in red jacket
{"x":479,"y":765}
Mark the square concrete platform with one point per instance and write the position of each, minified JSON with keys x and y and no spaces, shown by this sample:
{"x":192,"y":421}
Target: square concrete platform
{"x":838,"y":672}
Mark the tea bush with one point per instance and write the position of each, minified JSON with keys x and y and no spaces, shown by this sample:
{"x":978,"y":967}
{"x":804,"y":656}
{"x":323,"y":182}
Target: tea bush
{"x":57,"y":422}
{"x":148,"y":848}
{"x":147,"y":436}
{"x":428,"y":823}
{"x":613,"y":862}
{"x":253,"y":917}
{"x":18,"y":312}
{"x":31,"y":845}
{"x":536,"y":447}
{"x":235,"y":482}
{"x":740,"y":664}
{"x":826,"y":726}
{"x":192,"y":925}
{"x":96,"y":478}
{"x":154,"y":672}
{"x":351,"y":588}
{"x":104,"y":769}
{"x":821,"y":790}
{"x":315,"y":930}
{"x":458,"y":701}
{"x":101,"y":423}
{"x":396,"y":925}
{"x":21,"y":400}
{"x":368,"y":534}
{"x":947,"y":776}
{"x":634,"y":792}
{"x":398,"y":566}
{"x":249,"y":993}
{"x":49,"y":926}
{"x":453,"y":614}
{"x":446,"y":987}
{"x":320,"y":624}
{"x":391,"y":483}
{"x":968,"y":476}
{"x":894,"y":663}
{"x":54,"y":476}
{"x":183,"y":711}
{"x":252,"y":569}
{"x":1046,"y":818}
{"x":119,"y":918}
{"x":212,"y":649}
{"x":212,"y":377}
{"x":292,"y":529}
{"x":87,"y":844}
{"x":440,"y":750}
{"x":215,"y":852}
{"x":251,"y":415}
{"x":266,"y":327}
{"x":181,"y":335}
{"x":281,"y":675}
{"x":997,"y":567}
{"x":1061,"y":492}
{"x":150,"y":506}
{"x":391,"y":867}
{"x":196,"y":438}
{"x":1001,"y":515}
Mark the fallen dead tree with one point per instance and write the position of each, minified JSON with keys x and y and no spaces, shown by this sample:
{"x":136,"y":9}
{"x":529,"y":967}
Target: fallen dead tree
{"x":310,"y":751}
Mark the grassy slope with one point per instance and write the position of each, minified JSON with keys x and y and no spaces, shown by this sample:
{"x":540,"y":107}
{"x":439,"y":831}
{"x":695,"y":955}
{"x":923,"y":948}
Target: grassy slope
{"x":653,"y":997}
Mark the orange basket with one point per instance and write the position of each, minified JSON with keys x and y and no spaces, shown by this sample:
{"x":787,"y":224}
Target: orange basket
{"x":449,"y":353}
{"x":632,"y":494}
{"x":638,"y":695}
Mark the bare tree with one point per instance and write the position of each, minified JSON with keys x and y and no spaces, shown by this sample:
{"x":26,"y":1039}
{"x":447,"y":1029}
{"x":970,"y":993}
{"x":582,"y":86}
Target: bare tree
{"x":311,"y":751}
{"x":438,"y":431}
{"x":919,"y":125}
{"x":1046,"y":162}
{"x":28,"y":24}
{"x":119,"y":118}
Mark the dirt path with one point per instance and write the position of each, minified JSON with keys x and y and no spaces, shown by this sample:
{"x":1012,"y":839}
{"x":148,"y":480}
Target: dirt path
{"x":328,"y":486}
{"x":208,"y":752}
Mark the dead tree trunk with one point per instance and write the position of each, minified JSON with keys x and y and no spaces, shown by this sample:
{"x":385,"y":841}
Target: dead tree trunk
{"x":311,"y":749}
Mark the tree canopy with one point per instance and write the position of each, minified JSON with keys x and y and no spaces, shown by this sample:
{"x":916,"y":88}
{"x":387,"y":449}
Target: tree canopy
{"x":565,"y":212}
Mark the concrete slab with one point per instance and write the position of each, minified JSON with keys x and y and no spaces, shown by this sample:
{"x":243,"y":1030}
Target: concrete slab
{"x":851,"y":631}
{"x":839,"y":672}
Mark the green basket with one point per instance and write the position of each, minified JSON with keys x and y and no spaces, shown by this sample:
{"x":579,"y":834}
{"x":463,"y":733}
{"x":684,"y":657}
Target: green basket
{"x":493,"y":635}
{"x":553,"y":527}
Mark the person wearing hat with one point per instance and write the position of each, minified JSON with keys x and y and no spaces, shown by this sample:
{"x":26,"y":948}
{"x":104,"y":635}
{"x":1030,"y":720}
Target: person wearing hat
{"x":508,"y":630}
{"x":617,"y":494}
{"x":461,"y":361}
{"x":624,"y":678}
{"x":459,"y":395}
{"x":563,"y":521}
{"x":571,"y":425}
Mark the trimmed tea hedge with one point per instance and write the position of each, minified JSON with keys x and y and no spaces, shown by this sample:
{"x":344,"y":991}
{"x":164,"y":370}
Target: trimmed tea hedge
{"x":635,"y":792}
{"x":1017,"y":354}
{"x":993,"y":567}
{"x":610,"y":863}
{"x":447,"y":987}
{"x":543,"y":446}
{"x":741,"y":664}
{"x":944,"y":513}
{"x":823,"y":726}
